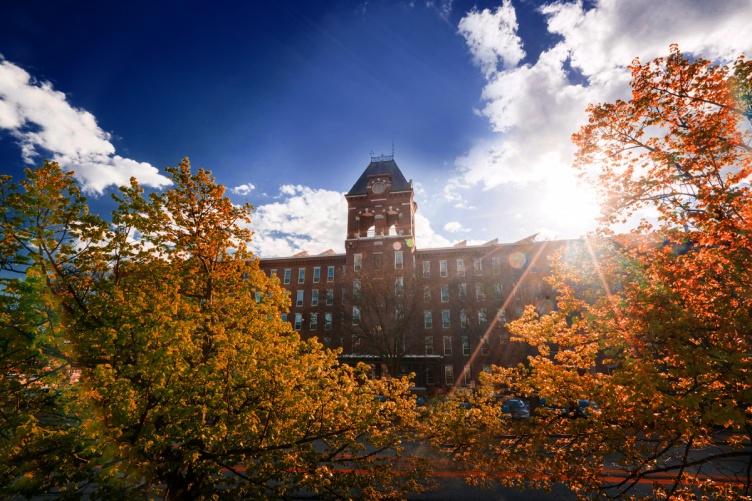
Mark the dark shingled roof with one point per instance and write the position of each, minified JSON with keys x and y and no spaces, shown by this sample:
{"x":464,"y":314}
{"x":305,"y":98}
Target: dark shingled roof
{"x":377,"y":168}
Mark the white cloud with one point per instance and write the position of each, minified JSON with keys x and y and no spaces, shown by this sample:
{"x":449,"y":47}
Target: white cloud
{"x":535,"y":108}
{"x":426,"y":238}
{"x":492,"y":37}
{"x":304,"y":219}
{"x":243,"y":189}
{"x":455,"y":227}
{"x":42,"y":120}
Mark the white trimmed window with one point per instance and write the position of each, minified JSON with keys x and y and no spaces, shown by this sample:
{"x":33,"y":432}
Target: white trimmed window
{"x":357,"y":262}
{"x":427,"y":319}
{"x":327,"y":321}
{"x":447,"y":345}
{"x":445,"y":293}
{"x":466,"y":346}
{"x":426,"y":269}
{"x":301,"y":275}
{"x":287,"y":276}
{"x":398,"y":260}
{"x":316,"y":275}
{"x":298,"y":321}
{"x":445,"y":321}
{"x":443,"y":269}
{"x":429,"y":345}
{"x":314,"y":322}
{"x":460,"y":267}
{"x":330,"y":274}
{"x":299,"y":298}
{"x":315,"y":297}
{"x":449,"y":375}
{"x":480,"y":293}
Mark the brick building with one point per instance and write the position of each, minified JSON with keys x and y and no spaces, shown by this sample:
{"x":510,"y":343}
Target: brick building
{"x":438,"y":313}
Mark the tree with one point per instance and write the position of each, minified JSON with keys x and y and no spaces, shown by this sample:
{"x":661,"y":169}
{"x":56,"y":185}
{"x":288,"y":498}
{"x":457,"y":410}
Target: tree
{"x":191,"y":385}
{"x":653,"y":326}
{"x":385,"y":314}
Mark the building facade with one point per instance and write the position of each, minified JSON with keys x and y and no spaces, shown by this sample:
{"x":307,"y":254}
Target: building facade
{"x":438,"y":313}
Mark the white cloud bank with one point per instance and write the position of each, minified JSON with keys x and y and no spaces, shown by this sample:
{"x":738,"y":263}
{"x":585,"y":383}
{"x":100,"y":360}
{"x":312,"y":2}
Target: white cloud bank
{"x":314,"y":220}
{"x":42,"y":121}
{"x":535,"y":108}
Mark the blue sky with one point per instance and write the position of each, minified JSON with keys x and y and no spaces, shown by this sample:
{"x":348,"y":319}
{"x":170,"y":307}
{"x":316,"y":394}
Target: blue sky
{"x":285,"y":101}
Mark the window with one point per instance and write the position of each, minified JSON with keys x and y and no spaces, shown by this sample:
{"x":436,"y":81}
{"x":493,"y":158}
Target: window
{"x":356,"y":288}
{"x":327,"y":321}
{"x":484,"y":348}
{"x":463,"y":292}
{"x":482,"y":318}
{"x":329,"y":297}
{"x":343,"y":295}
{"x":460,"y":267}
{"x":356,"y":316}
{"x":287,"y":276}
{"x":429,"y":376}
{"x":298,"y":321}
{"x":299,"y":300}
{"x":344,"y":270}
{"x":426,"y":269}
{"x":399,"y":285}
{"x":429,"y":345}
{"x":398,"y":262}
{"x":443,"y":269}
{"x":449,"y":375}
{"x":480,"y":294}
{"x":272,"y":273}
{"x":427,"y":320}
{"x":301,"y":275}
{"x":445,"y":319}
{"x":447,"y":345}
{"x":464,"y":323}
{"x":330,"y":274}
{"x":426,"y":293}
{"x":355,"y":340}
{"x":284,"y":317}
{"x":358,"y":262}
{"x":258,"y":296}
{"x":466,"y":346}
{"x":468,"y":375}
{"x":478,"y":266}
{"x":498,"y":289}
{"x":315,"y":297}
{"x":487,"y":368}
{"x":316,"y":275}
{"x":314,"y":322}
{"x":445,"y":293}
{"x":399,"y":314}
{"x":496,"y":266}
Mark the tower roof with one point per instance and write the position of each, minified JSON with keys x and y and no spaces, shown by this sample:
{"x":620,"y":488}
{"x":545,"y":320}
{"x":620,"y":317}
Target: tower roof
{"x":381,"y":166}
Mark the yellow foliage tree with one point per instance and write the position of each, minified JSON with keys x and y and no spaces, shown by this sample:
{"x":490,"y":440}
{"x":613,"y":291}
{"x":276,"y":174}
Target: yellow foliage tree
{"x":191,"y":385}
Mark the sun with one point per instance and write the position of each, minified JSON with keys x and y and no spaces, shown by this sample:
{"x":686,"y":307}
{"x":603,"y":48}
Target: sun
{"x":570,"y":204}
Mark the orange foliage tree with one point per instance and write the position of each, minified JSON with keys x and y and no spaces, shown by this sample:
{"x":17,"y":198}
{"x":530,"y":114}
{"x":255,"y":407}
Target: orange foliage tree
{"x":654,"y":326}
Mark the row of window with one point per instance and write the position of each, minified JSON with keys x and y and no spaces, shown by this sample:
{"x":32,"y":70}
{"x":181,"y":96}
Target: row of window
{"x":444,"y":269}
{"x":399,"y":261}
{"x":446,"y":321}
{"x":448,"y":340}
{"x":313,"y":321}
{"x":287,"y":274}
{"x":480,"y":292}
{"x":328,"y":298}
{"x":467,"y":375}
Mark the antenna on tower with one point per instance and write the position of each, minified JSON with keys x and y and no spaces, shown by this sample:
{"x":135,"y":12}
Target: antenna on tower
{"x":392,"y":148}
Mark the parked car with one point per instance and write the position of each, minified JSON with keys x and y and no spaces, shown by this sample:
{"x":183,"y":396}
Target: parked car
{"x":517,"y":408}
{"x":583,"y":409}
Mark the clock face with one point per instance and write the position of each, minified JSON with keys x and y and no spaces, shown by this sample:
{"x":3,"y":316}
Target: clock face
{"x":378,"y":187}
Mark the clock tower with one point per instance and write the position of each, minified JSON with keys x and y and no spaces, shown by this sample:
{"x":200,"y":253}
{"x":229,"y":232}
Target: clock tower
{"x":381,"y":217}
